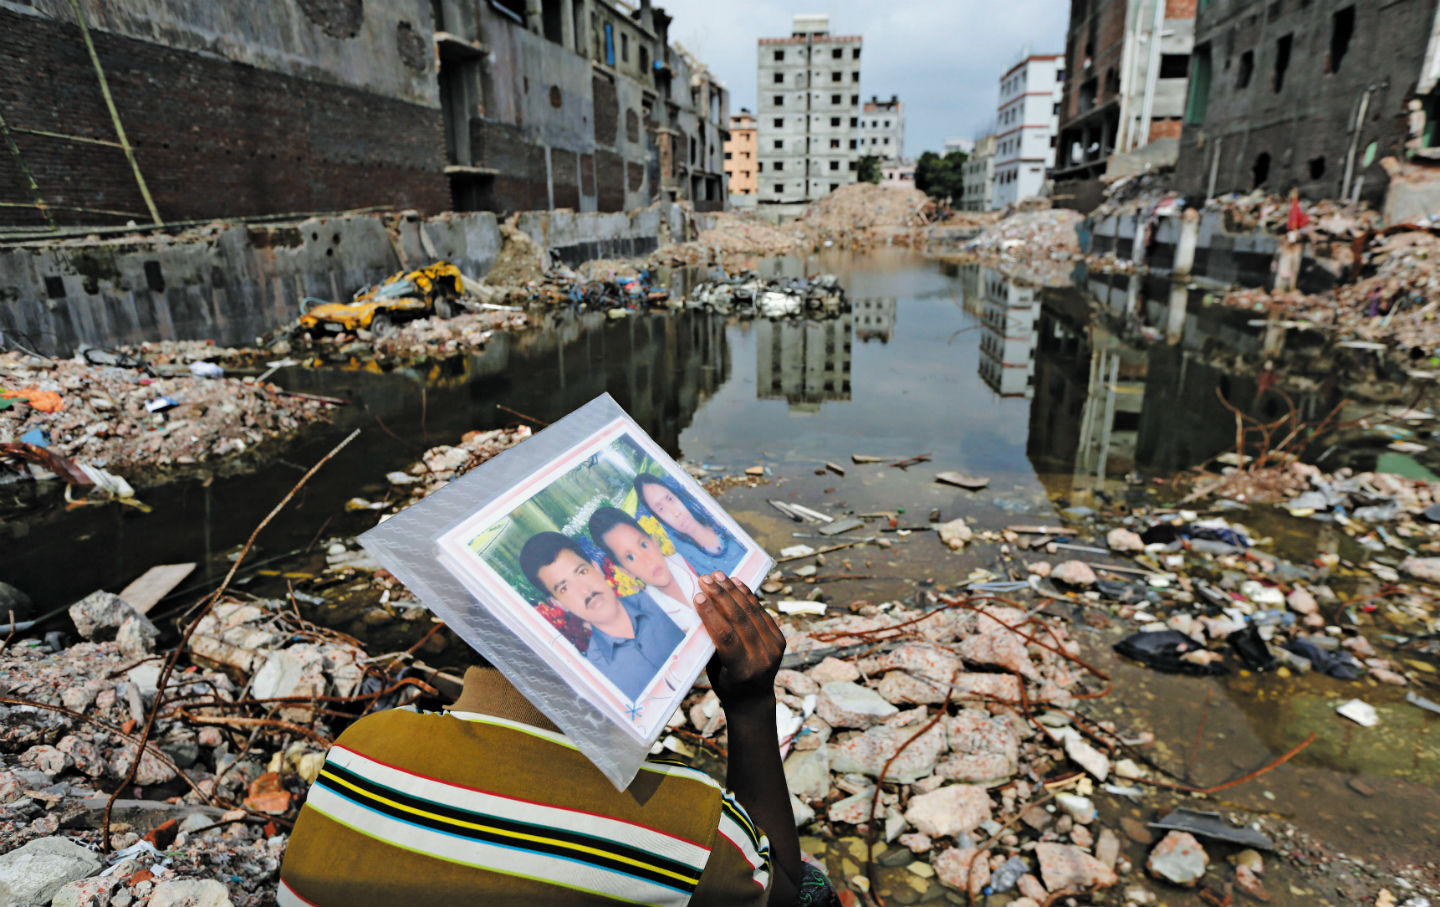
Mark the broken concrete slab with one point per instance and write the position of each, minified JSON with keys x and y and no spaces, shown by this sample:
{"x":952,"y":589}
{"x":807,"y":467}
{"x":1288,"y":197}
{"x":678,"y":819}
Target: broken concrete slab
{"x":32,"y":874}
{"x":844,"y":705}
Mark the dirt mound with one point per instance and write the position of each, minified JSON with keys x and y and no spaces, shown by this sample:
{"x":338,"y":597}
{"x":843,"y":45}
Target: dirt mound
{"x":861,"y":207}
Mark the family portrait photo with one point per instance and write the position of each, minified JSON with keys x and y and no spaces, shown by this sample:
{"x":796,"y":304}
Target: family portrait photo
{"x":595,"y":560}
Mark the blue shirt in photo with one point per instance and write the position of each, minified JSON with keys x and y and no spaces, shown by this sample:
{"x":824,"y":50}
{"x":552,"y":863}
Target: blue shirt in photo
{"x":726,"y":560}
{"x":631,"y":664}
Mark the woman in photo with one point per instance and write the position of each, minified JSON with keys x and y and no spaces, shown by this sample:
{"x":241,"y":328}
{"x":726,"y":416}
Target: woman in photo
{"x":669,"y":581}
{"x":700,"y":539}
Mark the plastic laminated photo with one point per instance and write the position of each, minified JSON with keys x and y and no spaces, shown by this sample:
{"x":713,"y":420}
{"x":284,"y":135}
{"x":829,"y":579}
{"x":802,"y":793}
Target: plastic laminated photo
{"x":594,"y":559}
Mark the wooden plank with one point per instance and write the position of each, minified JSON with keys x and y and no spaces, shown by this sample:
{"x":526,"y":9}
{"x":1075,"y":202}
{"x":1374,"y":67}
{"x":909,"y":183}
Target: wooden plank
{"x":154,"y":584}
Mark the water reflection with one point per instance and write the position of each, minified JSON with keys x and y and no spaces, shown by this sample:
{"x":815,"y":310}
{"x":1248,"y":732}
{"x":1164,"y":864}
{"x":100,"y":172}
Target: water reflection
{"x":875,"y":318}
{"x":1009,"y":315}
{"x":804,"y":362}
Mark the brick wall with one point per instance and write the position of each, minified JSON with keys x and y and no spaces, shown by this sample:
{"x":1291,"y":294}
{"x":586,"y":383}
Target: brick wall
{"x":213,"y":138}
{"x":1300,"y":136}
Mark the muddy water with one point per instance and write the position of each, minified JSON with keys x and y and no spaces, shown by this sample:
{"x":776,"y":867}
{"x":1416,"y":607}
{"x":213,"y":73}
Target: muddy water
{"x":985,"y":375}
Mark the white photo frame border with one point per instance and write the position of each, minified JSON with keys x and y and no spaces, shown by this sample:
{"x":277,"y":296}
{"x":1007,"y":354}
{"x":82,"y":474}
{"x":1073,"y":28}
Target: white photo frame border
{"x":408,"y":545}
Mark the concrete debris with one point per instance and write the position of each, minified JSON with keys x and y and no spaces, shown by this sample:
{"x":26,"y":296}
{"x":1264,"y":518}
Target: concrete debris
{"x":949,"y":811}
{"x":33,"y":873}
{"x":126,"y":414}
{"x":1178,"y":859}
{"x":1067,"y":868}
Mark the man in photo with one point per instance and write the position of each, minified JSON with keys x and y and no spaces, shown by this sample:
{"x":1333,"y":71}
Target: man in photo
{"x":669,"y":581}
{"x":631,"y":639}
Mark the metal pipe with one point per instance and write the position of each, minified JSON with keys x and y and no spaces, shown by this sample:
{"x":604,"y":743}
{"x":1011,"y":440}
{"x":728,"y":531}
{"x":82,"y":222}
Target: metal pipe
{"x":114,"y":113}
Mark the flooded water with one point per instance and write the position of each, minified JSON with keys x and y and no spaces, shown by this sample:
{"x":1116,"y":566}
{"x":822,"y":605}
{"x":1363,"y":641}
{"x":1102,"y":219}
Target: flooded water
{"x":984,"y":374}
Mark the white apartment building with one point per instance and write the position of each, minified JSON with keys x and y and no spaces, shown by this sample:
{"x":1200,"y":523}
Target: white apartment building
{"x":1009,"y":317}
{"x":1027,"y":122}
{"x":809,"y":112}
{"x":979,"y":177}
{"x":882,"y":129}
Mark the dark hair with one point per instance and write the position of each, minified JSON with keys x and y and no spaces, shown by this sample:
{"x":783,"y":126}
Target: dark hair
{"x":605,"y":519}
{"x":695,"y":509}
{"x":541,"y":551}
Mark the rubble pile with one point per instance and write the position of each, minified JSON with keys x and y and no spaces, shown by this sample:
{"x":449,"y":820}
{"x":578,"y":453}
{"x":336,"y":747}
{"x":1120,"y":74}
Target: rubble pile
{"x":865,"y":214}
{"x":733,"y":238}
{"x":1206,"y":597}
{"x":435,"y":338}
{"x":139,"y":414}
{"x":1036,"y":243}
{"x":203,"y":819}
{"x":520,"y":261}
{"x":440,"y":465}
{"x":942,"y":738}
{"x":1394,"y":305}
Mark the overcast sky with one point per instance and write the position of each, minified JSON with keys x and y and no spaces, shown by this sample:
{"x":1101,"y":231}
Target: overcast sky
{"x":942,"y":57}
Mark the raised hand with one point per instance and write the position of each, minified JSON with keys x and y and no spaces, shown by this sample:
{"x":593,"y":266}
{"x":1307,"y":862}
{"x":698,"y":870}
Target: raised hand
{"x":748,"y":642}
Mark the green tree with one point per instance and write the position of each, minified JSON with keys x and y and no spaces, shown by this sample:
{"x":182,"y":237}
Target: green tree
{"x":869,"y":169}
{"x":941,"y":177}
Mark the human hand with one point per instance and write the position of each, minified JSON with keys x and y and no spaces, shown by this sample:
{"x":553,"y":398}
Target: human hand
{"x":748,"y":643}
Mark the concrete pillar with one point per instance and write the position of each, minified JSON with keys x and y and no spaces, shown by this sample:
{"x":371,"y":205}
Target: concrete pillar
{"x":1185,"y":245}
{"x":1137,"y":248}
{"x":1175,"y":310}
{"x":1287,"y":264}
{"x":567,"y":24}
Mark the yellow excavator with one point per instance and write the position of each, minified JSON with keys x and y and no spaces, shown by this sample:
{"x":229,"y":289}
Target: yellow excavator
{"x":432,"y":290}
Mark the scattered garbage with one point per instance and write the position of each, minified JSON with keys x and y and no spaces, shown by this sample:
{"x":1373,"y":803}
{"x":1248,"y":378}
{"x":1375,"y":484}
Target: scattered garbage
{"x":1362,"y":713}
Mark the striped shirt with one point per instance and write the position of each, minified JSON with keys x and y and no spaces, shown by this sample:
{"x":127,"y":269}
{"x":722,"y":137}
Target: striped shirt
{"x":496,"y":806}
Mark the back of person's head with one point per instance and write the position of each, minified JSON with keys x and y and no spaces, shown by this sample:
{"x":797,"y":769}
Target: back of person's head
{"x":540,"y":551}
{"x":605,"y":519}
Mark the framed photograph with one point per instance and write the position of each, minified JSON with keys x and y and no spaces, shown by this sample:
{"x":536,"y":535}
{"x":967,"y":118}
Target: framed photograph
{"x":593,"y":558}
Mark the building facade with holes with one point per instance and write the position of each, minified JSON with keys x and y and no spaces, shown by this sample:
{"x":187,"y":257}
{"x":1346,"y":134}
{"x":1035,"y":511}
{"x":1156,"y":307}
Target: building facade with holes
{"x":882,"y":129}
{"x":1127,"y":63}
{"x":1026,"y":119}
{"x":497,"y":105}
{"x":1304,"y":94}
{"x":808,"y":113}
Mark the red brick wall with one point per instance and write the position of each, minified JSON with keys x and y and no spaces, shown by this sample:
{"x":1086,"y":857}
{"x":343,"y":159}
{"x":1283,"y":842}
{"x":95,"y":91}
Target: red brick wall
{"x":1180,"y":9}
{"x":1165,"y":129}
{"x":213,"y":138}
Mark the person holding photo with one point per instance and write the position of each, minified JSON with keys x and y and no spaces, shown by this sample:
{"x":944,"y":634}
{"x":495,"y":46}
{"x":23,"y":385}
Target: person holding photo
{"x":668,"y":580}
{"x":489,"y":803}
{"x":698,"y":537}
{"x":631,"y":638}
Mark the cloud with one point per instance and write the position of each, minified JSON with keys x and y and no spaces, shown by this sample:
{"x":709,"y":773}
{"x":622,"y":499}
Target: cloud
{"x":943,"y":58}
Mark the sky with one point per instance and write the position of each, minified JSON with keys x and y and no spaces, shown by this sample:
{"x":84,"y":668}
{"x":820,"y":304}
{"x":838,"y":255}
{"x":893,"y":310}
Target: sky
{"x":944,"y":58}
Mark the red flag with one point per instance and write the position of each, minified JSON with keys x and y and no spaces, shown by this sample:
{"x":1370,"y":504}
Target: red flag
{"x":1298,"y":219}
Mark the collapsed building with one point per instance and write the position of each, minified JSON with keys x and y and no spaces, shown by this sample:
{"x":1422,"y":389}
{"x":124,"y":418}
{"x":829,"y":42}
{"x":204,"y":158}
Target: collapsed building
{"x":170,"y":111}
{"x":1309,"y":95}
{"x":1127,"y":63}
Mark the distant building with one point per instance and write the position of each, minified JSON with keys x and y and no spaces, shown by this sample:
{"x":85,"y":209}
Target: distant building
{"x":808,"y":125}
{"x":965,"y":145}
{"x":896,"y":173}
{"x":882,"y":129}
{"x":1308,"y":95}
{"x":1025,"y":127}
{"x":740,"y":158}
{"x":1126,"y":63}
{"x":979,"y":177}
